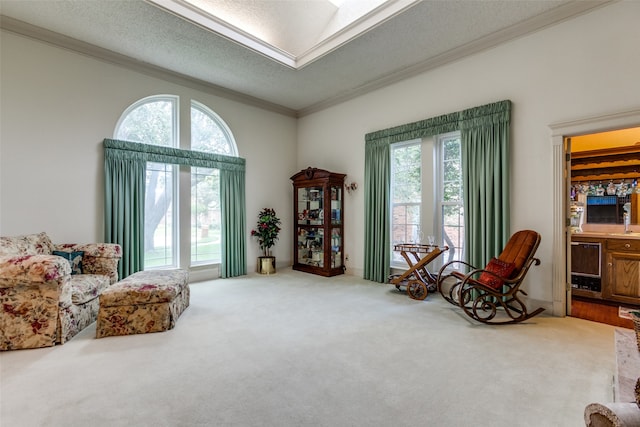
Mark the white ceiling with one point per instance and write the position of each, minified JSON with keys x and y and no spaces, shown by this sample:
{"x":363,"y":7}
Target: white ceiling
{"x":422,"y":35}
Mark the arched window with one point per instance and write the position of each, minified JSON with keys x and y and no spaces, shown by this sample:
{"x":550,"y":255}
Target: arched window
{"x":154,"y":120}
{"x":209,"y":133}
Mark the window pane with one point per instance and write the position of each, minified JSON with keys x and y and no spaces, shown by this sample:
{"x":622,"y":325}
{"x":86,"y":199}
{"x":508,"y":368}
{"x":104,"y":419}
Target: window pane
{"x":205,"y":216}
{"x":406,"y":171}
{"x":451,"y":197}
{"x":211,"y":135}
{"x":451,"y":191}
{"x":206,"y":134}
{"x":159,"y":227}
{"x":451,"y":148}
{"x":154,"y":121}
{"x":453,"y":231}
{"x":406,"y":194}
{"x":150,"y":123}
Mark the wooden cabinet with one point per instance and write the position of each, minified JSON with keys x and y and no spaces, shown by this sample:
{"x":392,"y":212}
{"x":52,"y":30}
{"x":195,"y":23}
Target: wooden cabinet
{"x":318,"y":210}
{"x":623,"y":271}
{"x":614,"y":276}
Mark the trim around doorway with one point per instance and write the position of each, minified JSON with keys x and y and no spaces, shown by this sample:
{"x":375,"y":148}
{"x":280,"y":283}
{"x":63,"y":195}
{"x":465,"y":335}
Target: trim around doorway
{"x":560,"y":130}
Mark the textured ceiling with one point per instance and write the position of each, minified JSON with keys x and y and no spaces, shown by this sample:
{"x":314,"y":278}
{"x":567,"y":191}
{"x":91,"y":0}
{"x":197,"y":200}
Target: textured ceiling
{"x":428,"y":34}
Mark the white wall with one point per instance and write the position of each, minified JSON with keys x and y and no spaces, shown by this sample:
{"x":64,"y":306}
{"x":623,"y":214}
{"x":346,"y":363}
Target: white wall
{"x":586,"y":66}
{"x":56,"y":108}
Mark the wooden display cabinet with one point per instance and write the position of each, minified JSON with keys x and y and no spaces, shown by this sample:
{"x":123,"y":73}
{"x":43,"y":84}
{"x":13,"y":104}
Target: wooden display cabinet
{"x":318,"y":211}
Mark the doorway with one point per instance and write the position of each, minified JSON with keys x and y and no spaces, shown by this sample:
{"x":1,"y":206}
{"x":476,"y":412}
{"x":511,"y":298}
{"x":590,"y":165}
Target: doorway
{"x":607,"y":163}
{"x":561,"y":280}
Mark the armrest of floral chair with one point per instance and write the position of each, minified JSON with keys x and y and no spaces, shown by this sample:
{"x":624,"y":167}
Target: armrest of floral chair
{"x":32,"y":288}
{"x":94,"y":267}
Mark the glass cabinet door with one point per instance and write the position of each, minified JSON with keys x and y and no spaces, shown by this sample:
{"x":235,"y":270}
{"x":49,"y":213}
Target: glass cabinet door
{"x":336,"y":248}
{"x":310,"y":206}
{"x":336,"y":231}
{"x":311,"y":246}
{"x":336,"y":205}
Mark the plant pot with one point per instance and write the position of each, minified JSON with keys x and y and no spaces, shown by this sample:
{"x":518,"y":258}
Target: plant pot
{"x":266,"y":265}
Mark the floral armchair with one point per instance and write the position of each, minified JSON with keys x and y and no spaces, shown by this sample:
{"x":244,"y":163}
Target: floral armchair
{"x":49,"y":293}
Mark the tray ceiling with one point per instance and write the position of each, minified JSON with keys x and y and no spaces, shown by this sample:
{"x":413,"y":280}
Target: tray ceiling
{"x":293,"y":33}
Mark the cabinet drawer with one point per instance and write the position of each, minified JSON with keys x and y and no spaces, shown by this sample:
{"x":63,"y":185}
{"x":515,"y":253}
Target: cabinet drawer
{"x":623,"y":245}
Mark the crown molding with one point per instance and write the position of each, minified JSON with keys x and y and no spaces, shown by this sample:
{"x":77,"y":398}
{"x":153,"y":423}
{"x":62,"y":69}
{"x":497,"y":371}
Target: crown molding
{"x":601,"y":123}
{"x":544,"y":20}
{"x":547,"y":19}
{"x":68,"y":43}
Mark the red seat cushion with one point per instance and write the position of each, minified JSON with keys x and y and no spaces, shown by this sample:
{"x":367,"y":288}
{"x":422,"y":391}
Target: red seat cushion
{"x":501,"y":268}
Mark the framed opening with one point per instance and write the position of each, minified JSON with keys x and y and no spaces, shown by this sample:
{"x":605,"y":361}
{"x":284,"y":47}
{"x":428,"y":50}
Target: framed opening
{"x":561,"y":146}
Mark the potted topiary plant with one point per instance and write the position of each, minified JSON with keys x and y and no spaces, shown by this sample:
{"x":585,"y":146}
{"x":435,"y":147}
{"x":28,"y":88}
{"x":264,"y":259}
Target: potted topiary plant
{"x":266,"y":231}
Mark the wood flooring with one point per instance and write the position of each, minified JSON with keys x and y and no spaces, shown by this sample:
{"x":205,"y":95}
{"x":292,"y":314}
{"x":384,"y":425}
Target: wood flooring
{"x":598,"y":312}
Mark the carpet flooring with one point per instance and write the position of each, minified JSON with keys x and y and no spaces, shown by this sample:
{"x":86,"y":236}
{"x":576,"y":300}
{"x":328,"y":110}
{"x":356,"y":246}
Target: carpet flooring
{"x":294,"y":349}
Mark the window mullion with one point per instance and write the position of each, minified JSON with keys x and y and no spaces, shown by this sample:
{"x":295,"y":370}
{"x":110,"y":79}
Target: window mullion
{"x":184,"y":216}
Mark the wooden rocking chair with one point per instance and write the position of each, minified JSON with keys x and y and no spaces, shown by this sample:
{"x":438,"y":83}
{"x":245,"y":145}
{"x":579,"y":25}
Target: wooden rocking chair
{"x":483,"y":293}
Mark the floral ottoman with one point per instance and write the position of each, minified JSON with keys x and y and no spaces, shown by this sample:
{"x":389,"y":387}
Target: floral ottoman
{"x":146,"y":301}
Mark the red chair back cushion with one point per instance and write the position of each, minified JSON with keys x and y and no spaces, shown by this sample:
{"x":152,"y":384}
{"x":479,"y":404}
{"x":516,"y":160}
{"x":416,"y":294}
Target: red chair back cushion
{"x":501,"y":268}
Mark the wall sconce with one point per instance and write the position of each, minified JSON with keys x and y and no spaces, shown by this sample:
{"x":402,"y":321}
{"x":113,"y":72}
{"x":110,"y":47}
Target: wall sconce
{"x":351,"y":187}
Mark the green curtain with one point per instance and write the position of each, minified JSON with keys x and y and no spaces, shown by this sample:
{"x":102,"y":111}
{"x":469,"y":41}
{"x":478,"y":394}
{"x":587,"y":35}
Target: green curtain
{"x":232,"y":182}
{"x":232,"y":200}
{"x":124,"y":209}
{"x":377,"y":234}
{"x":488,"y":120}
{"x":485,"y":135}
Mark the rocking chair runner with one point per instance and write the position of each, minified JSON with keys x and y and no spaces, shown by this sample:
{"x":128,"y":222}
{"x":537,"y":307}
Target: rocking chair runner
{"x":482,"y":293}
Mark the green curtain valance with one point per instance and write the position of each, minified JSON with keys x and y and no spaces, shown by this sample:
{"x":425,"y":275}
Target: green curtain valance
{"x":498,"y":112}
{"x":483,"y":116}
{"x":126,"y":150}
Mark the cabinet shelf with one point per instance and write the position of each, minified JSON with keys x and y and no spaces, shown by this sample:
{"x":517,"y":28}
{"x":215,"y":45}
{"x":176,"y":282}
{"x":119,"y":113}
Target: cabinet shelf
{"x":318,"y":209}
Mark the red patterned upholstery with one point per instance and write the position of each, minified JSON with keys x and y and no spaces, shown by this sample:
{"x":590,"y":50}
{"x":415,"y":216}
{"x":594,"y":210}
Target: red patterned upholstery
{"x":500,"y":268}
